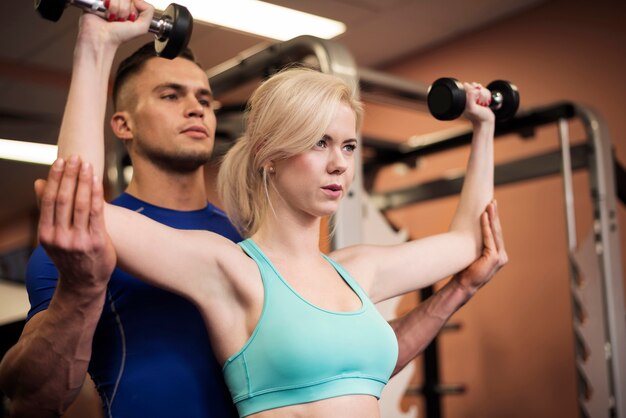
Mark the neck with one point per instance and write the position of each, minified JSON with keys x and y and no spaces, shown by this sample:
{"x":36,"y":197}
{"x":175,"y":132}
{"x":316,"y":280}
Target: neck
{"x":288,"y":237}
{"x":169,"y":190}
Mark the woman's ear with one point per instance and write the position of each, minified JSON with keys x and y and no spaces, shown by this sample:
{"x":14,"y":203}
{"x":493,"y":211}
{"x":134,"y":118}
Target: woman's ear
{"x":121,"y":126}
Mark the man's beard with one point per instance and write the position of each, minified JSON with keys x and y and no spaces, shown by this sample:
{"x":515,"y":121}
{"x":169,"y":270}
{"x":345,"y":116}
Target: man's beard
{"x":177,"y":162}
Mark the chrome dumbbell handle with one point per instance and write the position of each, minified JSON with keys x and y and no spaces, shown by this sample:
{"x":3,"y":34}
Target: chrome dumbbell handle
{"x":496,"y":100}
{"x":161,"y":26}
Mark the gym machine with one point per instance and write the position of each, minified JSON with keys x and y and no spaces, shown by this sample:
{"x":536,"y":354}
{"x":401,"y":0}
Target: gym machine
{"x":595,"y":265}
{"x":599,"y":315}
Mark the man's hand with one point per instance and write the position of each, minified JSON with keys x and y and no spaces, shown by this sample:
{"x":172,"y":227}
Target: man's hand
{"x":44,"y":371}
{"x":493,"y":257}
{"x":71,"y":224}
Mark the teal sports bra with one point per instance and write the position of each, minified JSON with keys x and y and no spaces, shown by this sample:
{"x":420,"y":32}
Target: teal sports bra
{"x":301,"y":353}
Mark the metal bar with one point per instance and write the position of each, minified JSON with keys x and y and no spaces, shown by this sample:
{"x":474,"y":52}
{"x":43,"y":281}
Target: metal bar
{"x":602,"y":176}
{"x":389,"y":89}
{"x":589,"y":319}
{"x":586,"y":298}
{"x":511,"y":172}
{"x":430,"y":370}
{"x":568,"y":188}
{"x":523,"y":124}
{"x":261,"y":61}
{"x":620,"y":179}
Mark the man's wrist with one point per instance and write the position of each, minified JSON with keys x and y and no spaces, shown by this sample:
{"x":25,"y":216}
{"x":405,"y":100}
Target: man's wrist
{"x":464,"y":289}
{"x":449,"y":299}
{"x":82,"y":291}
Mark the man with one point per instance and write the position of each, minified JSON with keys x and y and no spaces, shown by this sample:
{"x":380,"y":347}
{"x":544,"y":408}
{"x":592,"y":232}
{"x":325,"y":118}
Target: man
{"x":146,"y":349}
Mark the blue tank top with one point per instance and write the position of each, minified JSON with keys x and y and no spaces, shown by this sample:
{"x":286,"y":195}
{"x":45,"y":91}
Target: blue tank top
{"x":302,"y":353}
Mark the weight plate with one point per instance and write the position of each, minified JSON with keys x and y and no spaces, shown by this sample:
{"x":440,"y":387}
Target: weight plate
{"x":510,"y":99}
{"x":446,"y":99}
{"x":178,"y":37}
{"x":50,"y":9}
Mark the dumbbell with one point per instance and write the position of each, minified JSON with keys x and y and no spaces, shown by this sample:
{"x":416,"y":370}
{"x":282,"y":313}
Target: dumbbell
{"x":446,"y":99}
{"x":172,"y":29}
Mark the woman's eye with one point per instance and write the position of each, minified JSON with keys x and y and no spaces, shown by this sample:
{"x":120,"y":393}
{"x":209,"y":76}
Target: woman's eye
{"x":321,"y":143}
{"x":350,"y":147}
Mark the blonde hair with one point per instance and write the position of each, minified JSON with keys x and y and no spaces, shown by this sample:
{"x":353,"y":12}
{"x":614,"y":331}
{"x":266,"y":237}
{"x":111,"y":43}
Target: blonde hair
{"x":286,"y":115}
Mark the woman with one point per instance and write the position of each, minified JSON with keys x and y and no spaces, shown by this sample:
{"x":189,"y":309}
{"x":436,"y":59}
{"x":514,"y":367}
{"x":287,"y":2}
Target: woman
{"x":296,"y":331}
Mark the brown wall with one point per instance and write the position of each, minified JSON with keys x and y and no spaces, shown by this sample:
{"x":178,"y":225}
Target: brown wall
{"x":515,"y":350}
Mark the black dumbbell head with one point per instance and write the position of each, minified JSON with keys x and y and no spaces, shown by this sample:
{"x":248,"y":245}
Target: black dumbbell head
{"x":510,"y":99}
{"x":50,"y":9}
{"x":446,"y":99}
{"x":177,"y":39}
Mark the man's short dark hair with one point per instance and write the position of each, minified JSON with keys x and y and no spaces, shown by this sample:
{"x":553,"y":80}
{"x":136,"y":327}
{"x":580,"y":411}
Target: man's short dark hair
{"x":135,"y":62}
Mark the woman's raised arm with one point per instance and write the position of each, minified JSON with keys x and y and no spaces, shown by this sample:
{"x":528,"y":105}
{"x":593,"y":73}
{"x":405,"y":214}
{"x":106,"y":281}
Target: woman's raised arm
{"x":82,"y":128}
{"x":387,"y":271}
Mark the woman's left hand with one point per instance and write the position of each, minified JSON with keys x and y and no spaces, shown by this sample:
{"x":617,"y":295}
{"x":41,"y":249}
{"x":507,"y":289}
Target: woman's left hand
{"x":477,"y":103}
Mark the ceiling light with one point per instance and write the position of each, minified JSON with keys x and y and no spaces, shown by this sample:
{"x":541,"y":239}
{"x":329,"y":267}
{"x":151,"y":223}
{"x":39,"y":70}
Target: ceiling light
{"x":260,"y":18}
{"x":28,"y":152}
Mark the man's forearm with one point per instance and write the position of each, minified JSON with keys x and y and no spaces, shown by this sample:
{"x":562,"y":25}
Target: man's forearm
{"x":417,"y":328}
{"x":44,"y":371}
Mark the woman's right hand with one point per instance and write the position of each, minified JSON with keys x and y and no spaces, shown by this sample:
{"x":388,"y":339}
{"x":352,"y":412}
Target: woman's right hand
{"x":124,"y":20}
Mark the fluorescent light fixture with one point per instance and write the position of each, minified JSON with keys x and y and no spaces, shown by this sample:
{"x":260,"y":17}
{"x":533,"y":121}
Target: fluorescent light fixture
{"x":28,"y":152}
{"x":260,"y":18}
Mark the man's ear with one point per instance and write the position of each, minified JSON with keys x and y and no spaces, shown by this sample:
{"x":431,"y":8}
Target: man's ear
{"x":121,"y":126}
